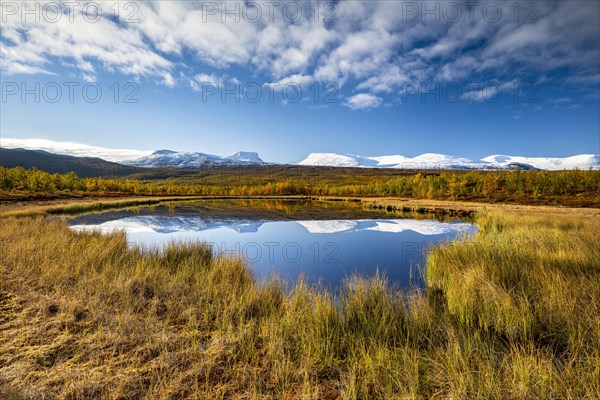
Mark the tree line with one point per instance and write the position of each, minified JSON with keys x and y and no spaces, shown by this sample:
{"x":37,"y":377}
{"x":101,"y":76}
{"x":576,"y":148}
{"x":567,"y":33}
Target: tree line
{"x":472,"y":185}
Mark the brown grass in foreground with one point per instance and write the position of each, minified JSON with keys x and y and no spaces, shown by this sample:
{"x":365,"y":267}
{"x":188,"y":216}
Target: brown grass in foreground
{"x":513,"y":313}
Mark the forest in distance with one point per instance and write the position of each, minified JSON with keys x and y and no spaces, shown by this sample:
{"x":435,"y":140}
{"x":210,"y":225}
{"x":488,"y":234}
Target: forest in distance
{"x":572,"y":187}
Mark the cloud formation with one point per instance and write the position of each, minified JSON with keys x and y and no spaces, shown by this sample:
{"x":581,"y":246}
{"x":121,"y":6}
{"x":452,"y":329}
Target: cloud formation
{"x":363,"y":101}
{"x":375,"y":47}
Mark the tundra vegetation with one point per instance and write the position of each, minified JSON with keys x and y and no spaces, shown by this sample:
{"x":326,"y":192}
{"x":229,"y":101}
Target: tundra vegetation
{"x":575,"y":188}
{"x":512,"y":312}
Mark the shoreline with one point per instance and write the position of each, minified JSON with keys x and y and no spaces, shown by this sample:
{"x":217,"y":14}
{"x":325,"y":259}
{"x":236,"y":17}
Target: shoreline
{"x":398,"y":204}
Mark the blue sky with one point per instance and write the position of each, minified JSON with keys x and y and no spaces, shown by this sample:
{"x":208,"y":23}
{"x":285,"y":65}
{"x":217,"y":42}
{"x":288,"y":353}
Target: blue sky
{"x":369,"y":78}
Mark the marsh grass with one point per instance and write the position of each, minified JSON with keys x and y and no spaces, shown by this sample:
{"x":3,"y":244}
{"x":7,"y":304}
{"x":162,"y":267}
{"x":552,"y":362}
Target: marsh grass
{"x":512,"y":313}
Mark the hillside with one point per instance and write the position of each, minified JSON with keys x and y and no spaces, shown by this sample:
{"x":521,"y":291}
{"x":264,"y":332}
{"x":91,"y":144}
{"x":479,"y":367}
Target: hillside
{"x":55,"y":163}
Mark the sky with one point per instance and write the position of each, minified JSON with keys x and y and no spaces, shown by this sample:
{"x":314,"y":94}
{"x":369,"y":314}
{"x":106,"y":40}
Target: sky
{"x":287,"y":78}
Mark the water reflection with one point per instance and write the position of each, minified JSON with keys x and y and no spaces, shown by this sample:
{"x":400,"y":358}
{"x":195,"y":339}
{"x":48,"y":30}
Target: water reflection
{"x":324,"y":251}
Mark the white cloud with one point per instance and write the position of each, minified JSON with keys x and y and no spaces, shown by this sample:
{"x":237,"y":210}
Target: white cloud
{"x":205,"y":79}
{"x":294,"y":80}
{"x":72,"y":149}
{"x":393,"y":77}
{"x":114,"y":47}
{"x":88,"y":77}
{"x":491,"y":92}
{"x":373,"y":46}
{"x":363,"y":101}
{"x":168,"y":79}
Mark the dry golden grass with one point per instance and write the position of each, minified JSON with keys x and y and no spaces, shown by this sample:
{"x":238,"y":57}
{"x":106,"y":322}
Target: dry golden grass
{"x":514,"y":313}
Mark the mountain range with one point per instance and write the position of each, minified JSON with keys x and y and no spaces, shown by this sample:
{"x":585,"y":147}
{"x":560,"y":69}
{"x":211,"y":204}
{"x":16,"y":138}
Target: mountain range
{"x":170,"y":158}
{"x":443,"y":161}
{"x":173,"y":159}
{"x":84,"y":167}
{"x":36,"y":152}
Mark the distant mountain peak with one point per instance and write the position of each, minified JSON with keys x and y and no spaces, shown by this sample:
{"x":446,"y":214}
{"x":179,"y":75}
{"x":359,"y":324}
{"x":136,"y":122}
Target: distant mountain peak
{"x":163,"y":152}
{"x":175,"y":159}
{"x":246,"y":157}
{"x":443,"y":161}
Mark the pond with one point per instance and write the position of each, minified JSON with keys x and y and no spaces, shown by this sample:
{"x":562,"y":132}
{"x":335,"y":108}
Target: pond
{"x":323,"y":242}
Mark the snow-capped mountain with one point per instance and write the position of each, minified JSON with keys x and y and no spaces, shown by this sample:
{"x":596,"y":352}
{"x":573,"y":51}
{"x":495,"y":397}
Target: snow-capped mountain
{"x":174,"y":159}
{"x":169,"y":158}
{"x":245,"y":157}
{"x":443,"y":161}
{"x":582,"y":161}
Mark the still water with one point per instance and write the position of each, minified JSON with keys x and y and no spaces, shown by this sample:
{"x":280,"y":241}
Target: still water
{"x":324,"y":245}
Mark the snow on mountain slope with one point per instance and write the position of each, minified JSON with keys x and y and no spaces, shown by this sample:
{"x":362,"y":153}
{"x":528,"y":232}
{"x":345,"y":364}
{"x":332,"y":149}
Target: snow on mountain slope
{"x":169,"y":158}
{"x":390,"y":160}
{"x":245,"y":157}
{"x":435,"y":160}
{"x":330,"y":160}
{"x":582,"y":161}
{"x":443,"y":161}
{"x":428,"y":160}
